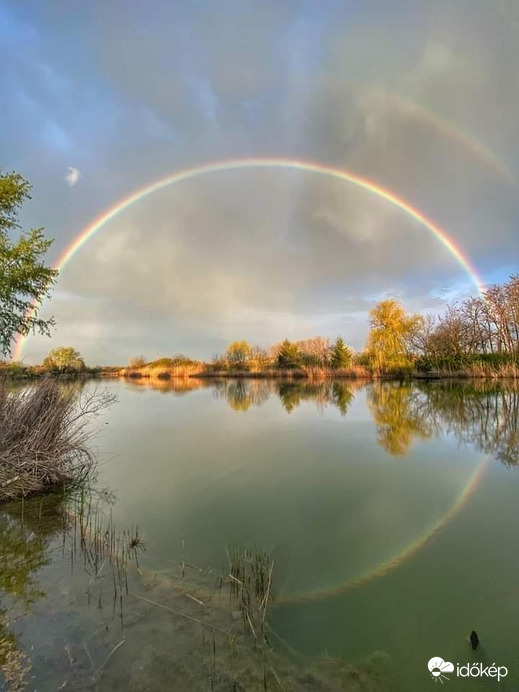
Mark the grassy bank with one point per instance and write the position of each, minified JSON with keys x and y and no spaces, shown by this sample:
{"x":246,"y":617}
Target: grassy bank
{"x":421,"y":369}
{"x":165,"y":368}
{"x":19,"y":371}
{"x":495,"y":366}
{"x":488,"y":365}
{"x":304,"y":372}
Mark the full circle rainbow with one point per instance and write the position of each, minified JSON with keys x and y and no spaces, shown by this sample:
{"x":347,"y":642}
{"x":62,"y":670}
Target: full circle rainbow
{"x":251,"y":163}
{"x":345,"y":176}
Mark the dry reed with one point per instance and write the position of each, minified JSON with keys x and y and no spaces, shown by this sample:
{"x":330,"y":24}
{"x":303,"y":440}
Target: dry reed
{"x":44,"y":436}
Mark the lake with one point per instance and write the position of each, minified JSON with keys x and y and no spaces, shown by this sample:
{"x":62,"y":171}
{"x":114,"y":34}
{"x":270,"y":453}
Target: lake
{"x":389,"y":511}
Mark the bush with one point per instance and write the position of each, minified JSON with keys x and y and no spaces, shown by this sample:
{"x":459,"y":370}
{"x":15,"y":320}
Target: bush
{"x":44,"y":436}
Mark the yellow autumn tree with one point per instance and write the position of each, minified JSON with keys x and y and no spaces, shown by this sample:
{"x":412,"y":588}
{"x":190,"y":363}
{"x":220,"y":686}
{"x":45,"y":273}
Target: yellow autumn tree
{"x":238,"y":355}
{"x":390,"y":335}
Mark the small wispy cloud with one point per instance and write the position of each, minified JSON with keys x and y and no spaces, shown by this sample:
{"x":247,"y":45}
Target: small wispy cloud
{"x":72,"y":176}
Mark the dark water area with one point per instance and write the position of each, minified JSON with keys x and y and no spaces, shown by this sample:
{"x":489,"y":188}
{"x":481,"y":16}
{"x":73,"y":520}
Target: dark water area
{"x":389,"y":510}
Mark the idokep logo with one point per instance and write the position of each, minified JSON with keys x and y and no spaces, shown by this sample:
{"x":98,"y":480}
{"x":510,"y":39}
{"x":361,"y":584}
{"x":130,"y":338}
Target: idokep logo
{"x":438,"y":667}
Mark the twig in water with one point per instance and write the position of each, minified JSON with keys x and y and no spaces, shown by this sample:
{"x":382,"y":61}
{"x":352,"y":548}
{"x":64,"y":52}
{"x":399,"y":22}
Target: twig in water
{"x":112,"y":652}
{"x":178,"y":612}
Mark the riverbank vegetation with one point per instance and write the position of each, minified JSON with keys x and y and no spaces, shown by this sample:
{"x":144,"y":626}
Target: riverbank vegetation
{"x":163,"y":368}
{"x":44,"y":437}
{"x":478,"y":337}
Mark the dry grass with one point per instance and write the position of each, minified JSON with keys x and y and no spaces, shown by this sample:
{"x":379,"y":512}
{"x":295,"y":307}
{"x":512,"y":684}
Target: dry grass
{"x":305,"y":372}
{"x":164,"y":369}
{"x":44,"y":436}
{"x":473,"y":370}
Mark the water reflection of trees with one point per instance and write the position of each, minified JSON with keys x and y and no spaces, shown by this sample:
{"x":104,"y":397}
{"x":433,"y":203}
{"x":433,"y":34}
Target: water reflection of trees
{"x":477,"y":412}
{"x":241,"y":394}
{"x":398,"y":412}
{"x":323,"y":394}
{"x":26,"y":531}
{"x":485,"y":415}
{"x":176,"y":385}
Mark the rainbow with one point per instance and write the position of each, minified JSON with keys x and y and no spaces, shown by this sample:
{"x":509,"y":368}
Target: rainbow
{"x":409,"y":551}
{"x":259,"y":163}
{"x":408,"y":108}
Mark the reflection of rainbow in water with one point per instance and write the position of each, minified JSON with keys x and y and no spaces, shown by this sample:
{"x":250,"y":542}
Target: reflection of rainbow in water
{"x":267,"y":163}
{"x":408,"y":552}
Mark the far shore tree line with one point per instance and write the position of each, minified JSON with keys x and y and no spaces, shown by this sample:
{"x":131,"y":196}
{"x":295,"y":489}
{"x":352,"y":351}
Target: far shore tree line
{"x":478,"y":336}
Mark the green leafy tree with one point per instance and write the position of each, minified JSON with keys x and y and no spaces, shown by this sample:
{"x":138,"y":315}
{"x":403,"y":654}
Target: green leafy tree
{"x":288,"y":356}
{"x":24,"y":278}
{"x":342,"y":355}
{"x":63,"y":359}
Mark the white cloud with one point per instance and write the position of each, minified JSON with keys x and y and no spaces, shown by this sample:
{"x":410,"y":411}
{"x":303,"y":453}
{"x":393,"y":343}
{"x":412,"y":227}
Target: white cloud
{"x":72,"y":176}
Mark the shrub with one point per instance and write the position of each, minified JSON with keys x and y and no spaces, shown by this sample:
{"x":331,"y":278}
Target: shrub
{"x":44,"y":436}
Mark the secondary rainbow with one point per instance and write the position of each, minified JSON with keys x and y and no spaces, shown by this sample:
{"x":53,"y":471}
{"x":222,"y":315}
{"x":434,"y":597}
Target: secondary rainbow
{"x":408,"y":108}
{"x":251,"y":163}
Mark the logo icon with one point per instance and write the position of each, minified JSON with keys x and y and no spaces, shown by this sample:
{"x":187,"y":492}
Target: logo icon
{"x":437,"y":667}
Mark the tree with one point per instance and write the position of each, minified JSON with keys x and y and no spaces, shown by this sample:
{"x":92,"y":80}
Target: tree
{"x":64,"y":358}
{"x":259,"y":359}
{"x":391,"y":331}
{"x":288,"y":356}
{"x":314,"y":351}
{"x":24,"y":279}
{"x":238,"y":354}
{"x":341,"y":354}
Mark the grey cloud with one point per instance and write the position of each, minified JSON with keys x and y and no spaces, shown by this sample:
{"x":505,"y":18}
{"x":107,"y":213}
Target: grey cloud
{"x":391,"y":91}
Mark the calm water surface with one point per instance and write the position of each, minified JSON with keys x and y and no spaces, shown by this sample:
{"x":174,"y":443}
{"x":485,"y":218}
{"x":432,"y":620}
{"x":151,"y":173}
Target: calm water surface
{"x":390,"y":512}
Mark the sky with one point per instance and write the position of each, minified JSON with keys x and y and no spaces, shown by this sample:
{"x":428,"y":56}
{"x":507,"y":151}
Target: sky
{"x":104,"y":97}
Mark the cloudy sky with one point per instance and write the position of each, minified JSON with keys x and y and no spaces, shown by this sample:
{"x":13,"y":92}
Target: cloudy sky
{"x":103,"y":97}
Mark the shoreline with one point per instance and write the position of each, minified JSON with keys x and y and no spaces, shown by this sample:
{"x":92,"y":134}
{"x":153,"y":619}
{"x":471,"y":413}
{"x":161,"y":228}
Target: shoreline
{"x":303,"y":376}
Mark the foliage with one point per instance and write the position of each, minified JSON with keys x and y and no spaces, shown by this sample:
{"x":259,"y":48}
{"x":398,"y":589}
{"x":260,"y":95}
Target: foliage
{"x":238,"y":355}
{"x":341,"y":355}
{"x":390,"y":336}
{"x":289,"y":356}
{"x":13,"y":369}
{"x":24,"y":278}
{"x":176,"y":361}
{"x":64,"y":359}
